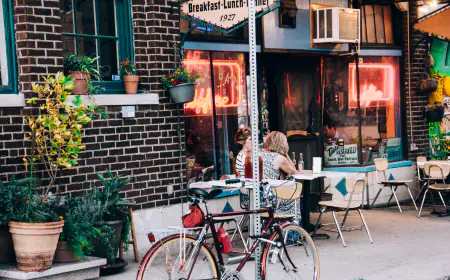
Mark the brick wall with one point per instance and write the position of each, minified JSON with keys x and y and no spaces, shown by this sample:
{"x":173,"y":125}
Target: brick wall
{"x":144,"y":147}
{"x":418,"y":100}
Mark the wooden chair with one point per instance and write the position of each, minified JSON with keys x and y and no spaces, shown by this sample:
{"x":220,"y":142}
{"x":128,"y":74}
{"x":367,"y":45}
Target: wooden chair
{"x":354,"y":187}
{"x":291,"y":191}
{"x":436,"y":173}
{"x":133,"y":236}
{"x":381,"y":165}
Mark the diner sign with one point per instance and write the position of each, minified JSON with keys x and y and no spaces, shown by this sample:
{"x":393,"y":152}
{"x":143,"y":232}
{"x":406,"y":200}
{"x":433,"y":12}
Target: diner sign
{"x":336,"y":155}
{"x":225,"y":15}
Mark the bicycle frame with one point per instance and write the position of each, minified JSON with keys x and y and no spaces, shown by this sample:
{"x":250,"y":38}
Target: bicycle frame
{"x":210,"y":224}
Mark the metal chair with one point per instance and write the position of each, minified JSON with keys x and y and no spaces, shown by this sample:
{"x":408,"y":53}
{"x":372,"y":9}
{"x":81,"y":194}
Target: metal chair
{"x":354,"y":187}
{"x":421,"y":176}
{"x":436,"y":173}
{"x":381,"y":165}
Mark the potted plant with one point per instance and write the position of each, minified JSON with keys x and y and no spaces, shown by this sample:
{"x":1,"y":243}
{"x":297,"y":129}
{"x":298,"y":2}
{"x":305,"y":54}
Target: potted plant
{"x":180,"y":85}
{"x":130,"y":79}
{"x":114,"y":217}
{"x":434,"y":112}
{"x":82,"y":69}
{"x":80,"y":233}
{"x":35,"y":228}
{"x":9,"y":192}
{"x":56,"y":134}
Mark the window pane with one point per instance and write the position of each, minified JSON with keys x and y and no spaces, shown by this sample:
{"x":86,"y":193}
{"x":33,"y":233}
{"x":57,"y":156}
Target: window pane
{"x":68,"y":45}
{"x":380,"y":108}
{"x":388,"y":25}
{"x":298,"y":90}
{"x":322,"y":25}
{"x":231,"y":105}
{"x":198,"y":115}
{"x":379,"y":25}
{"x":370,"y":24}
{"x":106,"y":18}
{"x":3,"y":56}
{"x":67,"y":16}
{"x":87,"y":23}
{"x":329,"y":24}
{"x":339,"y":119}
{"x":108,"y":55}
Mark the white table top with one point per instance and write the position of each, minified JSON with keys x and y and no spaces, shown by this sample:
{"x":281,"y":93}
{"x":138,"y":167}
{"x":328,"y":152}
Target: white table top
{"x":307,"y":175}
{"x":437,"y":162}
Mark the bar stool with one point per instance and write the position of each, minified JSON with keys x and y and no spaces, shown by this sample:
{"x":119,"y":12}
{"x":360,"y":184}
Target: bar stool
{"x":381,"y":165}
{"x":133,"y":235}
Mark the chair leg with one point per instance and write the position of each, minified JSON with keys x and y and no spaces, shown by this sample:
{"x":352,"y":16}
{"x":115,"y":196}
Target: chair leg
{"x":376,"y":197}
{"x":421,"y":190}
{"x":390,"y":198}
{"x":318,"y":220}
{"x":396,"y":199}
{"x":338,"y":227}
{"x":345,"y":219}
{"x":423,"y":201}
{"x":412,"y":197}
{"x":238,"y":227}
{"x":443,"y":202}
{"x":365,"y":225}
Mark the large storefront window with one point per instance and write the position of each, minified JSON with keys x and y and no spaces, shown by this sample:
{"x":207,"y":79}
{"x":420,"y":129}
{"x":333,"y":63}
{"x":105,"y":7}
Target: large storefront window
{"x":210,"y":130}
{"x":378,"y":129}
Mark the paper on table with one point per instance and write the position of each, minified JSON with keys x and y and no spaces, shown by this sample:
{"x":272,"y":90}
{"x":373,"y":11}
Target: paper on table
{"x":317,"y":165}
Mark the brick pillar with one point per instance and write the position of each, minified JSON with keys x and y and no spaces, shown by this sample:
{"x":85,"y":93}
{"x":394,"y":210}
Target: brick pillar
{"x":38,"y":39}
{"x":418,"y":100}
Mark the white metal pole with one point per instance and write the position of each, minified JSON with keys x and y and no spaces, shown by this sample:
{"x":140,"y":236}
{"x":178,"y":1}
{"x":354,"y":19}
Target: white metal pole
{"x":254,"y":122}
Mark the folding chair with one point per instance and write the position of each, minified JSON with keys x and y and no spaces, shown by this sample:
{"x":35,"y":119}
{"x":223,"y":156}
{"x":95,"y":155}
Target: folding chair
{"x":354,"y":187}
{"x":421,"y":176}
{"x":435,"y":173}
{"x":381,"y":165}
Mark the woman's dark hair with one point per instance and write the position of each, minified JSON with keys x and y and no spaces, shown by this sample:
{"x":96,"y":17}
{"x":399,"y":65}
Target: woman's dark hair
{"x":241,"y":136}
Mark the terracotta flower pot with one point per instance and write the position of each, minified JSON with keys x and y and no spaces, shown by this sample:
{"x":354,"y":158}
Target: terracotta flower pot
{"x":35,"y":244}
{"x":63,"y":254}
{"x":131,"y":83}
{"x":182,"y":93}
{"x":6,"y":244}
{"x":80,"y":83}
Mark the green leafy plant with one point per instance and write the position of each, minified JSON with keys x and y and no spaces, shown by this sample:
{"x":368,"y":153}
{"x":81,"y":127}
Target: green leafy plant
{"x":178,"y":77}
{"x":12,"y":194}
{"x":56,"y":134}
{"x":115,"y":208}
{"x":128,"y":67}
{"x":85,"y":64}
{"x":79,"y":228}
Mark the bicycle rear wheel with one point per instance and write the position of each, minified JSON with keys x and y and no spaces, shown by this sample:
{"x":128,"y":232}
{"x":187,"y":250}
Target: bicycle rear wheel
{"x":172,"y":258}
{"x":275,"y":263}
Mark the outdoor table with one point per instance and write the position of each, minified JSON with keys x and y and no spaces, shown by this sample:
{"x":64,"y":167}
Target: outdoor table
{"x":306,"y":177}
{"x":421,"y":164}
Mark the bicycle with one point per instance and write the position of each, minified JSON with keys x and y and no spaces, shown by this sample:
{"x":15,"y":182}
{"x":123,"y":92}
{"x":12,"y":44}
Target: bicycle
{"x":288,"y":252}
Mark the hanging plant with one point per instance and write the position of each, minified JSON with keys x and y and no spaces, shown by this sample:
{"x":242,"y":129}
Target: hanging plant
{"x":180,"y":84}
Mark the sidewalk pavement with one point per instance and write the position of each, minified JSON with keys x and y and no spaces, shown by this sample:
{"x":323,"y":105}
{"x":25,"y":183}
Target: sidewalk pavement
{"x":405,"y":247}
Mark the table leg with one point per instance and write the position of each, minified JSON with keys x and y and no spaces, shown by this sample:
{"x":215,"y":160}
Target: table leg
{"x":306,"y":211}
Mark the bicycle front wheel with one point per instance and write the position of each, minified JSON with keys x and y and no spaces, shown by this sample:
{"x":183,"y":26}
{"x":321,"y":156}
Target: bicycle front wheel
{"x":298,"y":261}
{"x":173,"y":258}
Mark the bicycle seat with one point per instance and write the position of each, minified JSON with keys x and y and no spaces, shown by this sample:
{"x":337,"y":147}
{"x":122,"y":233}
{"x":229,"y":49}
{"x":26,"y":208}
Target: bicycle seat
{"x":199,"y":193}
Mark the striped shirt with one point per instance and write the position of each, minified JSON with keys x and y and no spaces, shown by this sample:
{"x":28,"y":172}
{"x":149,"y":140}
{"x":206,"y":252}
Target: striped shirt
{"x":240,"y":164}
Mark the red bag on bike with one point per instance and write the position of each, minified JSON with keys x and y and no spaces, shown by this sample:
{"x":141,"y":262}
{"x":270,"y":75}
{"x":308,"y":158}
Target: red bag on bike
{"x":195,"y":218}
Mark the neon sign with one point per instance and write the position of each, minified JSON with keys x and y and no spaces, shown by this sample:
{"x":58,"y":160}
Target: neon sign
{"x":377,"y":83}
{"x":228,"y":94}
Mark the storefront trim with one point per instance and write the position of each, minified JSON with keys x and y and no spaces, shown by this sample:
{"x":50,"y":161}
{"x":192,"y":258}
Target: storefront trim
{"x":206,"y":46}
{"x":368,"y":168}
{"x":379,"y":52}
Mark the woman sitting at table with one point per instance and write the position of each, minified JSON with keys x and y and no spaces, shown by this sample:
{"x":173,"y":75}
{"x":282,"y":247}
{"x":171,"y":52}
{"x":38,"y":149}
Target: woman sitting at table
{"x":276,"y":165}
{"x":276,"y":162}
{"x":242,"y":138}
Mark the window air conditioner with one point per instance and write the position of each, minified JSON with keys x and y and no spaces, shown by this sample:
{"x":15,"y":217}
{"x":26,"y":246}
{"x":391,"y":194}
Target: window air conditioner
{"x":336,"y":25}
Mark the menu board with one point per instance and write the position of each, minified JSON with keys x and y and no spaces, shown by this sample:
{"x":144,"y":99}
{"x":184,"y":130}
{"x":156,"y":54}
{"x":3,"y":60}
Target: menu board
{"x":338,"y":155}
